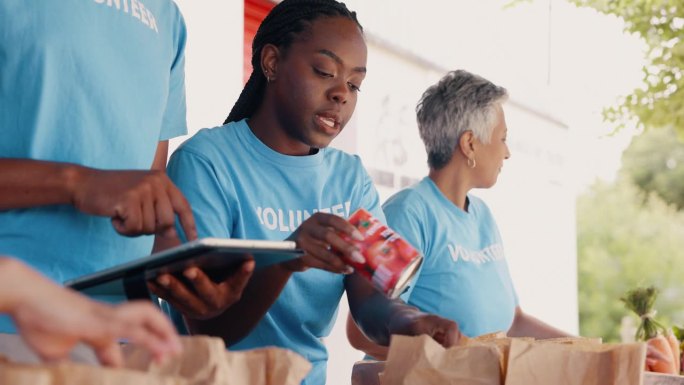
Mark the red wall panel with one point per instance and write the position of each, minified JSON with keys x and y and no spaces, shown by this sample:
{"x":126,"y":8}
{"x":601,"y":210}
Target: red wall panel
{"x":255,"y":12}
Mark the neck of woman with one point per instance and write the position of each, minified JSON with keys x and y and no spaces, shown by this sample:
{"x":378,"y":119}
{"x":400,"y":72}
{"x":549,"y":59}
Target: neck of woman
{"x":453,"y":183}
{"x":265,"y":126}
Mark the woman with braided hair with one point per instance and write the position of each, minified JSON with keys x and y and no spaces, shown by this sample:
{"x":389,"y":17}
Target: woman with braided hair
{"x":244,"y":180}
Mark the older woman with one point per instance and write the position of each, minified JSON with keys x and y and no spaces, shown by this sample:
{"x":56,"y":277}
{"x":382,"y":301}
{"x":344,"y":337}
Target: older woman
{"x":464,"y":276}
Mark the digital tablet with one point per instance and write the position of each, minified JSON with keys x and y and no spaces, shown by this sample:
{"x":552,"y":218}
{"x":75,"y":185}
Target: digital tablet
{"x":218,"y":257}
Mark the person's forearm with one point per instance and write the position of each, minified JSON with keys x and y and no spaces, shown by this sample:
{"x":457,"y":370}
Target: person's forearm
{"x":375,"y":314}
{"x":525,"y":325}
{"x":362,"y":343}
{"x":28,"y":183}
{"x":19,"y":285}
{"x":238,"y":320}
{"x":160,"y":156}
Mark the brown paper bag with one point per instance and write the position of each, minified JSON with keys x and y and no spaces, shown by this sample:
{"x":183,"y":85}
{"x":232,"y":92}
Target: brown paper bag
{"x":503,"y":345}
{"x":205,"y":361}
{"x":488,"y":337}
{"x":11,"y":374}
{"x":539,"y":363}
{"x":651,"y":378}
{"x":573,"y":341}
{"x":78,"y":374}
{"x":422,"y":361}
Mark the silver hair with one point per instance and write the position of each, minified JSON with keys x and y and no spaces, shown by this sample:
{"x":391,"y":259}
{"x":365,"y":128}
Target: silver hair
{"x":459,"y":102}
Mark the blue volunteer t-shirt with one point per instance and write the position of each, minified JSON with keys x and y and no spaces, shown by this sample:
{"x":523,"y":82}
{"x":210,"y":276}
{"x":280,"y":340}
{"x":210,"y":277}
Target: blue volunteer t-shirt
{"x":464,"y":276}
{"x":240,"y":188}
{"x":93,"y":82}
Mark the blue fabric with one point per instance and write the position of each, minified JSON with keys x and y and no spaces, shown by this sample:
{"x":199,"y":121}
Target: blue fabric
{"x":89,"y":83}
{"x":464,"y":276}
{"x":240,"y":188}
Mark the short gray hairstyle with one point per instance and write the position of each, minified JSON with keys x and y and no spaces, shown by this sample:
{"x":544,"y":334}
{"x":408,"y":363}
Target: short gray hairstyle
{"x":459,"y":102}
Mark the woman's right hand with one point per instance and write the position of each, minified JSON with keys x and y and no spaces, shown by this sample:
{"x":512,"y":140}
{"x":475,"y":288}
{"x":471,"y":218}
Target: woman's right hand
{"x":199,"y":297}
{"x":319,"y":237}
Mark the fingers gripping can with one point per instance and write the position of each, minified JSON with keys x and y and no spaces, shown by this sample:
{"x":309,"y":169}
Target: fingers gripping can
{"x":391,"y":262}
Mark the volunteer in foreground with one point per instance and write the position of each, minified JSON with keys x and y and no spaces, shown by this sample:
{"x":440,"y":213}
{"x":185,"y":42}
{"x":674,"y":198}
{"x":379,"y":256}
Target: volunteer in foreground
{"x":268,"y":173}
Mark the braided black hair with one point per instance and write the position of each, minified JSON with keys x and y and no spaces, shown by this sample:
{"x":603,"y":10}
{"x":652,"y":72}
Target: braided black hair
{"x":280,"y":28}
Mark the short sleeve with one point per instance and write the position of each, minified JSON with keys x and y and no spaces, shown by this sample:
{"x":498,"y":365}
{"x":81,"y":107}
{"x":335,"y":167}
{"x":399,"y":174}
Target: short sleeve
{"x":197,"y":179}
{"x":175,"y":121}
{"x":370,"y":199}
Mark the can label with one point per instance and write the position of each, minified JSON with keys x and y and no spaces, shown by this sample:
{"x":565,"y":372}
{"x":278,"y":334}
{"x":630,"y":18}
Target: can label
{"x":391,"y":262}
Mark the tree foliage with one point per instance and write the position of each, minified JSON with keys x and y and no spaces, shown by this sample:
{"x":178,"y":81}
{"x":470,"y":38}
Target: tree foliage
{"x":654,"y":161}
{"x":659,"y":102}
{"x":660,"y":23}
{"x":627,"y":240}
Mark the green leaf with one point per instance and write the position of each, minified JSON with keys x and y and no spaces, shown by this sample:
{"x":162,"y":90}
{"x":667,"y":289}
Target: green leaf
{"x":679,"y":333}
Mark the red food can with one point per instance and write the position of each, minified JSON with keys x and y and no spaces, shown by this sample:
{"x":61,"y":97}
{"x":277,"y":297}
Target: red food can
{"x":391,"y":262}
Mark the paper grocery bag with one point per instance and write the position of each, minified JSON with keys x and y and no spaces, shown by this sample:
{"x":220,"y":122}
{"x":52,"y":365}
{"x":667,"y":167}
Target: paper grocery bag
{"x":484,"y":337}
{"x":544,"y":363}
{"x":503,"y":345}
{"x":16,"y":374}
{"x":573,"y":341}
{"x":205,"y":361}
{"x":78,"y":374}
{"x":422,"y":361}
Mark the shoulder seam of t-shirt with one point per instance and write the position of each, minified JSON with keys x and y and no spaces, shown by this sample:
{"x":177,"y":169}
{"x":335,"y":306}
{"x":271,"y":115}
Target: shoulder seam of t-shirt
{"x":216,"y":175}
{"x":191,"y":151}
{"x":201,"y":157}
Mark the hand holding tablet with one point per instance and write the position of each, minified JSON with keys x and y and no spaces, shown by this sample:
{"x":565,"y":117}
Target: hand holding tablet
{"x":215,"y":258}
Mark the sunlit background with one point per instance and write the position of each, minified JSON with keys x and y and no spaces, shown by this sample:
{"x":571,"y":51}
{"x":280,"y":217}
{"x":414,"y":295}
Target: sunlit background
{"x":561,"y":64}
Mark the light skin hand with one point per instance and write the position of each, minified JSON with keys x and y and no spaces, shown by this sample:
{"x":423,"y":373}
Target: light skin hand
{"x":52,"y":319}
{"x":319,"y":237}
{"x":204,"y":298}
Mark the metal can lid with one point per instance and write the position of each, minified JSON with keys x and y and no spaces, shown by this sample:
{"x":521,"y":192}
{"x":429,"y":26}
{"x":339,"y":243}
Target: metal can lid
{"x":405,"y":277}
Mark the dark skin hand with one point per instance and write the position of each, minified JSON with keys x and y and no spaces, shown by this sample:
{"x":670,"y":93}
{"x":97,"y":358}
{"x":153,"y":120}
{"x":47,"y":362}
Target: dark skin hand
{"x":324,"y":87}
{"x":199,"y":297}
{"x":137,"y":201}
{"x":376,"y":314}
{"x":319,"y":237}
{"x":309,"y":99}
{"x":379,"y":317}
{"x":208,"y":306}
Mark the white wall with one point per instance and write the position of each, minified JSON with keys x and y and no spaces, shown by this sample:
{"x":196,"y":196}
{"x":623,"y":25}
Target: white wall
{"x":213,"y":61}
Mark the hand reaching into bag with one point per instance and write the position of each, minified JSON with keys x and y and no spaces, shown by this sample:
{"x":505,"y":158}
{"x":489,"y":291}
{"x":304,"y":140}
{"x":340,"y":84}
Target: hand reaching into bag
{"x":52,"y":319}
